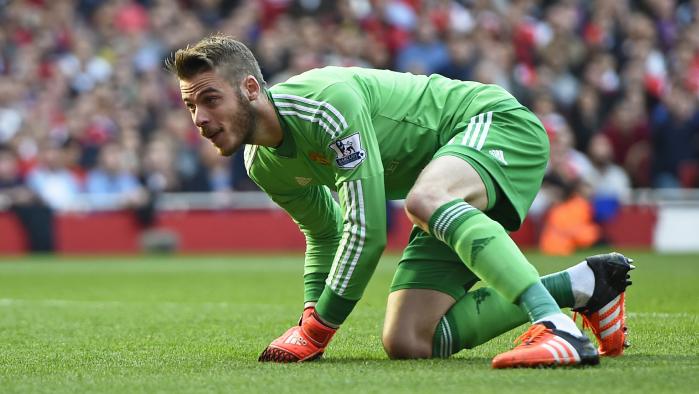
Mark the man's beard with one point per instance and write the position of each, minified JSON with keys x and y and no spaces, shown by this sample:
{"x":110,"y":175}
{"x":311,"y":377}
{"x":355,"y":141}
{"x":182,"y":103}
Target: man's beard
{"x":246,"y":120}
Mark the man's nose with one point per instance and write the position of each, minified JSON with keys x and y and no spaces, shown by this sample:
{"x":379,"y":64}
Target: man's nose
{"x":201,"y":118}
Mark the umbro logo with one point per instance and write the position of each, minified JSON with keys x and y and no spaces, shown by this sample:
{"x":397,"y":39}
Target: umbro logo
{"x":296,"y":339}
{"x":498,"y":155}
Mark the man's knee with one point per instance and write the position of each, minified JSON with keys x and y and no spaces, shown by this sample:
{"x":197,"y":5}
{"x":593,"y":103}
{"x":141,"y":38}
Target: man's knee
{"x":400,"y":344}
{"x":444,"y":180}
{"x":411,"y":318}
{"x":422,"y":201}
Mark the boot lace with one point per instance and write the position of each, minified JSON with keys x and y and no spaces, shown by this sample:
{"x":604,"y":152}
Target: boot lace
{"x":532,"y":334}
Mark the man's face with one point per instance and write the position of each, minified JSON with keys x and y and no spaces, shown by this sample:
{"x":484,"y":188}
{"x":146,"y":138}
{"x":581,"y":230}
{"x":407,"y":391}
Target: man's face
{"x":8,"y":167}
{"x":220,"y":111}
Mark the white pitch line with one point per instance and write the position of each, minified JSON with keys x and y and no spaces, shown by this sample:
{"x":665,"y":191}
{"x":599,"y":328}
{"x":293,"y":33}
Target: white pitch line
{"x":7,"y":302}
{"x":662,"y":315}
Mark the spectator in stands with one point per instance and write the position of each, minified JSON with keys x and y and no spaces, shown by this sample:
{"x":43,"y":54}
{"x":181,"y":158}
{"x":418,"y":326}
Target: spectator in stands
{"x":183,"y":138}
{"x":159,"y":173}
{"x":377,"y":54}
{"x":73,"y":153}
{"x":35,"y":217}
{"x":461,"y":58}
{"x":216,"y":167}
{"x":609,"y":183}
{"x":586,"y":116}
{"x":560,"y":50}
{"x":568,"y":224}
{"x":82,"y":66}
{"x":606,"y":179}
{"x":271,"y":53}
{"x":561,"y":206}
{"x":628,"y":131}
{"x":675,"y":131}
{"x":567,"y":162}
{"x":600,"y":72}
{"x":89,"y":71}
{"x":426,"y":54}
{"x":51,"y":180}
{"x":110,"y":185}
{"x":348,"y":48}
{"x":10,"y":115}
{"x":213,"y":172}
{"x":12,"y":187}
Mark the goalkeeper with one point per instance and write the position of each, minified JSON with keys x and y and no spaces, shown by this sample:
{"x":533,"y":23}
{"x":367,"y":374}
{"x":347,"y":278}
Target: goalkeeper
{"x":467,"y":158}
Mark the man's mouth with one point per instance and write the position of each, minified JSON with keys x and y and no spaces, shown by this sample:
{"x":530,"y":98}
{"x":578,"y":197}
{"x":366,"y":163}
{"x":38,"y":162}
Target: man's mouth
{"x":210,"y":134}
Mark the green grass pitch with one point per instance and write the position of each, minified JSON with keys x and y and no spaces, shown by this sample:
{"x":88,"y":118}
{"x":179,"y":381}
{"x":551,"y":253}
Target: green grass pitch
{"x":197,"y":324}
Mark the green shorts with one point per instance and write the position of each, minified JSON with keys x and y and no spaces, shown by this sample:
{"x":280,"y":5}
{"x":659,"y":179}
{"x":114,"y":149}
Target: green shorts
{"x":509,"y":150}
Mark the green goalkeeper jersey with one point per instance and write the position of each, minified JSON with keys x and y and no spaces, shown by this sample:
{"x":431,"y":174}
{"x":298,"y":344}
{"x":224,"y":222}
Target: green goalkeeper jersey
{"x":366,"y":134}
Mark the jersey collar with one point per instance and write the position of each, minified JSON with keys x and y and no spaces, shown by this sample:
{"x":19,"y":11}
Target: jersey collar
{"x":288,"y":146}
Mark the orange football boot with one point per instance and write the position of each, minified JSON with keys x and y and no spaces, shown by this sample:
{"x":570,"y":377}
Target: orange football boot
{"x":545,"y":346}
{"x":605,"y":313}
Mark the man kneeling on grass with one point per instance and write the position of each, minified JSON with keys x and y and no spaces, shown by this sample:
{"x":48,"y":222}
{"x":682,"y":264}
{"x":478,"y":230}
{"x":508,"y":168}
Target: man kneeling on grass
{"x":467,"y":158}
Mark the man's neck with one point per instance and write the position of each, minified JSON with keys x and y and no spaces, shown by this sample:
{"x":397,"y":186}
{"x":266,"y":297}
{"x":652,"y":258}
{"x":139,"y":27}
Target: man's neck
{"x":269,"y":130}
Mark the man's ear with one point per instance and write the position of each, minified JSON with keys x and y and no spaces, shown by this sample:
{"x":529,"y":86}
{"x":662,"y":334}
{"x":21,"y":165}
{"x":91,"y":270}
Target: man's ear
{"x":251,"y":88}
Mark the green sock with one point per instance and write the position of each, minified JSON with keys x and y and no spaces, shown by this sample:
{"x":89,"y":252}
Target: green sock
{"x":484,"y":314}
{"x":485,"y":247}
{"x":560,"y":287}
{"x":538,"y":303}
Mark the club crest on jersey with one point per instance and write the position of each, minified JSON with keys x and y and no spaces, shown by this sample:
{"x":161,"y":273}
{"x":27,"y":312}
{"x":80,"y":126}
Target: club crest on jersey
{"x":318,"y":158}
{"x":349,"y":151}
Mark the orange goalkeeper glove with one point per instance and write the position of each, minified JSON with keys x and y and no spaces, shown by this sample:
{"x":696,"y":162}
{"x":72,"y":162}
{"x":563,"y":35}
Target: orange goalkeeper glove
{"x":305,"y":342}
{"x":307,"y":312}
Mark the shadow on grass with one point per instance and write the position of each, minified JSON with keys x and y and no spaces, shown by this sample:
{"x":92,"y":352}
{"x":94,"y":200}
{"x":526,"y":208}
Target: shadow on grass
{"x":637,"y":360}
{"x":385,"y":361}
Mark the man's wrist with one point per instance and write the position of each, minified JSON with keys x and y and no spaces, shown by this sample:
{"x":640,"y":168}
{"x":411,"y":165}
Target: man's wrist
{"x":333,"y":309}
{"x":326,"y":323}
{"x":313,"y":285}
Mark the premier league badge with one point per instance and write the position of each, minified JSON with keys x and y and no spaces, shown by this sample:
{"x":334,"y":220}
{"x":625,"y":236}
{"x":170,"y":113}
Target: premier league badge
{"x":349,"y":151}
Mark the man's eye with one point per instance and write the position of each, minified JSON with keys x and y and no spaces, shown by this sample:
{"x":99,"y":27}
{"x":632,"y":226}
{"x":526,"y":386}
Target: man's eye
{"x":211,"y":100}
{"x":191,"y":107}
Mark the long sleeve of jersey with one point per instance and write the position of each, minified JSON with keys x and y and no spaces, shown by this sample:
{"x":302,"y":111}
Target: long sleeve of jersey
{"x":344,"y":241}
{"x":343,"y":245}
{"x":320,"y":220}
{"x":360,"y":184}
{"x":363,"y":240}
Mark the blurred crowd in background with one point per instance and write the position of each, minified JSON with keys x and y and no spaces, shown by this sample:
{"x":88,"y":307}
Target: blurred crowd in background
{"x":86,"y":107}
